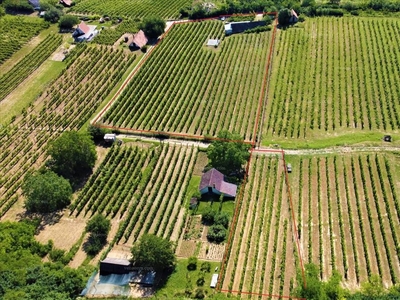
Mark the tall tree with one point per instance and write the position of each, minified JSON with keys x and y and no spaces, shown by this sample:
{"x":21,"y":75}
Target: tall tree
{"x":72,"y":155}
{"x":229,"y":153}
{"x":46,"y":192}
{"x":153,"y":27}
{"x":99,"y":227}
{"x":154,"y":252}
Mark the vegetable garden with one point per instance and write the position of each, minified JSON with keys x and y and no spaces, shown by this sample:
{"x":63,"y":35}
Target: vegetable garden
{"x":132,"y":8}
{"x":67,"y":104}
{"x":15,"y":31}
{"x":145,"y":189}
{"x":28,"y":64}
{"x":348,"y":214}
{"x":335,"y":75}
{"x":262,"y":257}
{"x":187,"y":88}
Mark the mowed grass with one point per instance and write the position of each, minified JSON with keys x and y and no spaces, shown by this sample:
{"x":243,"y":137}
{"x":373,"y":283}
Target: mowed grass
{"x":334,"y":79}
{"x":29,"y":90}
{"x":187,"y":87}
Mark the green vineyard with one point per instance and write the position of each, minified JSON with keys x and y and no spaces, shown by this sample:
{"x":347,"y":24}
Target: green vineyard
{"x":143,"y":188}
{"x":189,"y":88}
{"x":16,"y":31}
{"x":23,"y":143}
{"x":335,"y":75}
{"x":348,"y":213}
{"x":28,"y":64}
{"x":132,"y":8}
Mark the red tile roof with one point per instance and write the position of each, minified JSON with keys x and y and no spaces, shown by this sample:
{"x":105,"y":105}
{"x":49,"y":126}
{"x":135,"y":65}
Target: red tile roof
{"x":140,"y":39}
{"x":85,"y":28}
{"x":66,"y":2}
{"x":214,"y":178}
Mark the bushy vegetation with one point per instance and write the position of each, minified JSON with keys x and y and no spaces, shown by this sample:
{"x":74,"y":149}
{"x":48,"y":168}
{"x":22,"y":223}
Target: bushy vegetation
{"x":153,"y":27}
{"x":98,"y":227}
{"x":22,"y":273}
{"x":46,"y":192}
{"x":67,"y":22}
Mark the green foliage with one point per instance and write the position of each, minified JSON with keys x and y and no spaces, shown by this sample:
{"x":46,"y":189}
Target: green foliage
{"x":18,"y":5}
{"x":53,"y":15}
{"x":208,"y":216}
{"x":154,"y":252}
{"x":216,"y":233}
{"x":99,"y":227}
{"x":46,"y":192}
{"x":72,"y":155}
{"x":68,"y":21}
{"x":56,"y":255}
{"x":222,"y":218}
{"x":373,"y":287}
{"x":22,"y":273}
{"x":97,"y":133}
{"x":284,"y":16}
{"x":153,"y":27}
{"x":229,"y":153}
{"x":199,"y":293}
{"x":205,"y":267}
{"x":192,"y":263}
{"x":2,"y":11}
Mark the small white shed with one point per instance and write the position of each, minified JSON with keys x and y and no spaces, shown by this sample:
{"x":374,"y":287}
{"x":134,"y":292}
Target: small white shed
{"x":110,"y":138}
{"x":214,"y":280}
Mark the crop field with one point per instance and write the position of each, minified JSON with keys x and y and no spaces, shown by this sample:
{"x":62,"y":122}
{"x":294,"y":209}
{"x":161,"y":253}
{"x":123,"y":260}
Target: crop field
{"x":348,"y":214}
{"x":132,"y":8}
{"x":109,"y":36}
{"x":263,"y":255}
{"x":143,"y":188}
{"x":16,"y":31}
{"x":66,"y":104}
{"x":28,"y":64}
{"x":335,"y":75}
{"x":188,"y":88}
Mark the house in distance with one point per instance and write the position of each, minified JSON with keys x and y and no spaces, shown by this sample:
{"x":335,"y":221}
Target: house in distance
{"x":84,"y":32}
{"x":139,"y":40}
{"x":212,"y":182}
{"x":238,"y":27}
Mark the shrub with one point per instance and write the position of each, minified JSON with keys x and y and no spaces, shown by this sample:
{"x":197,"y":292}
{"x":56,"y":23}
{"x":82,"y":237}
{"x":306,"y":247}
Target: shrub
{"x":208,"y":216}
{"x":206,"y":267}
{"x":192,"y":263}
{"x":216,"y":233}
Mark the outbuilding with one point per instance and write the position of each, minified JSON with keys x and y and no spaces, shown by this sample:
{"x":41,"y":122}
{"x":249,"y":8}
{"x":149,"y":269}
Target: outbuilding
{"x":110,"y":138}
{"x":214,"y":281}
{"x":115,"y":266}
{"x":212,"y":182}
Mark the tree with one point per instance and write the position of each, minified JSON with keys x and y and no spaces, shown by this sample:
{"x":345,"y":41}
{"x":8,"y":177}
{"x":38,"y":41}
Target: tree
{"x":228,"y":153}
{"x":2,"y":11}
{"x":53,"y":15}
{"x":68,"y":21}
{"x":373,"y":287}
{"x":72,"y":155}
{"x":192,"y":263}
{"x":154,"y":252}
{"x":153,"y":27}
{"x":99,"y":227}
{"x":46,"y":192}
{"x":222,"y":218}
{"x":216,"y":233}
{"x":208,"y":216}
{"x":284,"y":16}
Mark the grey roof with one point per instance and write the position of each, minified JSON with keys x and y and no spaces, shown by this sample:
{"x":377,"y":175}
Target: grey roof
{"x":116,"y":261}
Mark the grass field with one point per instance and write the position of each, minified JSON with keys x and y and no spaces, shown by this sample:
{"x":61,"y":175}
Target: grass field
{"x":188,"y":88}
{"x":132,"y":8}
{"x":332,"y":77}
{"x":348,"y":214}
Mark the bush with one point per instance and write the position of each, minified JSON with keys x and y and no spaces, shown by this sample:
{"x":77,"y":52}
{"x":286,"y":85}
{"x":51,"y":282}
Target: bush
{"x":192,"y":263}
{"x":205,"y":267}
{"x":56,"y":255}
{"x":200,"y":281}
{"x":68,"y":21}
{"x":216,"y":233}
{"x":144,"y":48}
{"x":199,"y":294}
{"x":53,"y":15}
{"x":208,"y":216}
{"x":222,"y":219}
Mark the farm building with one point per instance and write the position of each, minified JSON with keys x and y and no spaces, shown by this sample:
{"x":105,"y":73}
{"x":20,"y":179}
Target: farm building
{"x":238,"y":27}
{"x":110,"y":138}
{"x":213,"y":182}
{"x":84,"y":32}
{"x":66,"y":3}
{"x":294,"y":18}
{"x":213,"y":42}
{"x":143,"y":278}
{"x":114,"y":266}
{"x":214,"y":281}
{"x":139,"y":40}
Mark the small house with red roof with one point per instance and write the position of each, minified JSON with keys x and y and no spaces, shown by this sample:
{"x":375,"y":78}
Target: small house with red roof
{"x":213,"y":182}
{"x":66,"y":3}
{"x":139,"y":40}
{"x":84,"y":32}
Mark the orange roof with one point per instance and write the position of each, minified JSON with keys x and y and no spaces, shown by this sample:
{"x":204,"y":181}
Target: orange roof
{"x":66,"y":2}
{"x":140,"y":39}
{"x":82,"y":26}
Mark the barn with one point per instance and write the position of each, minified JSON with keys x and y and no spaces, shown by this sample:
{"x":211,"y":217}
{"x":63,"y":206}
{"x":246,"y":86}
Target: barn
{"x":115,"y":266}
{"x":84,"y":32}
{"x":212,"y":182}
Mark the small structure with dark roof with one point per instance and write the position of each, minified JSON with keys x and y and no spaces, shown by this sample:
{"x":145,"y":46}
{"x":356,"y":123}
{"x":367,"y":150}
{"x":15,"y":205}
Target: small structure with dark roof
{"x":115,"y":266}
{"x":213,"y":182}
{"x":238,"y":27}
{"x":294,"y":17}
{"x":139,"y":40}
{"x":387,"y":138}
{"x":144,"y":278}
